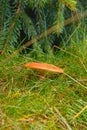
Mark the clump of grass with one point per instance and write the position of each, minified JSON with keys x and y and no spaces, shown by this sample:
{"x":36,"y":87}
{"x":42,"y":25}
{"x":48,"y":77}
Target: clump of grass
{"x":51,"y":103}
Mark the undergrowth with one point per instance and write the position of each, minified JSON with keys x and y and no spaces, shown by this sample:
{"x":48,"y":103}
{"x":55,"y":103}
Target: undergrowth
{"x":27,"y":102}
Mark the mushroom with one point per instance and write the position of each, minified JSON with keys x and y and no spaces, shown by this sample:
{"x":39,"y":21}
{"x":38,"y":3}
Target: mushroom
{"x":41,"y":67}
{"x":49,"y":67}
{"x":44,"y":67}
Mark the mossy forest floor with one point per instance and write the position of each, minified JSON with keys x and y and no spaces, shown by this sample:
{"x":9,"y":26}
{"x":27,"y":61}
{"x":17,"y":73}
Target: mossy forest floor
{"x":51,"y":103}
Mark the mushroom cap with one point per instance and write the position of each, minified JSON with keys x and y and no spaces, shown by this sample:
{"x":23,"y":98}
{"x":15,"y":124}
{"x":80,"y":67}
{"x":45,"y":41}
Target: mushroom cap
{"x":43,"y":66}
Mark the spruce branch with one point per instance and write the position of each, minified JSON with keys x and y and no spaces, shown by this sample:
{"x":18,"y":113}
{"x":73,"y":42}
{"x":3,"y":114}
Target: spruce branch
{"x":11,"y":28}
{"x":49,"y":31}
{"x":52,"y":29}
{"x":2,"y":15}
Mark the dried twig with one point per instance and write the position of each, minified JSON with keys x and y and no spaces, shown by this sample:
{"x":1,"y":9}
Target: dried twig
{"x":79,"y":113}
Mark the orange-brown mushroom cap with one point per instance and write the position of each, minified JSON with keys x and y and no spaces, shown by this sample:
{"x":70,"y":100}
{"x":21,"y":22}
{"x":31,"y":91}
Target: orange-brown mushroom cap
{"x":43,"y":66}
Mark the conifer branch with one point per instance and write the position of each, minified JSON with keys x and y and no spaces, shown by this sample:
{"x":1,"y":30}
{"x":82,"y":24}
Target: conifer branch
{"x":52,"y":29}
{"x":11,"y":28}
{"x":2,"y":17}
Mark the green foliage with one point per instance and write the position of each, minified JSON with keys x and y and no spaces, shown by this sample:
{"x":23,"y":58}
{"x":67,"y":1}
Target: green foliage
{"x":29,"y":29}
{"x":15,"y":19}
{"x":60,"y":17}
{"x":70,"y":3}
